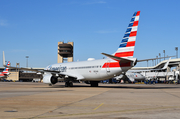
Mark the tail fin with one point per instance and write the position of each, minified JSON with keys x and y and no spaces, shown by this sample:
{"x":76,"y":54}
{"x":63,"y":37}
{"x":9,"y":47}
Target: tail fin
{"x":126,"y":48}
{"x":3,"y":59}
{"x":6,"y":70}
{"x":166,"y":65}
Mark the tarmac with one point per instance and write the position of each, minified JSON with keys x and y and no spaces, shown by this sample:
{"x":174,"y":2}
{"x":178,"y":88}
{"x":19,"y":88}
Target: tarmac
{"x":27,"y":100}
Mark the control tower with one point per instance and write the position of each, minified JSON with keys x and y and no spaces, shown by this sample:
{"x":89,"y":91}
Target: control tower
{"x":65,"y":52}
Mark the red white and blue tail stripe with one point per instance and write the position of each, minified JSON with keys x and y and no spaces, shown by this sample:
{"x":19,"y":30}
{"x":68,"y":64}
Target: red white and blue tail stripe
{"x":126,"y":48}
{"x":6,"y":70}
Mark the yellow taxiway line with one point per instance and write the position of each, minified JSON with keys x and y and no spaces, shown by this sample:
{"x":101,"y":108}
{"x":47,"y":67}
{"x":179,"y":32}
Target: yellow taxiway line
{"x":98,"y":106}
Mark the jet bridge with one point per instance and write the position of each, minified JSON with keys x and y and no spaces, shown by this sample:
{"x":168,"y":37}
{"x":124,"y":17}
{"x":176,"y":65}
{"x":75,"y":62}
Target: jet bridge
{"x":172,"y":63}
{"x":159,"y":74}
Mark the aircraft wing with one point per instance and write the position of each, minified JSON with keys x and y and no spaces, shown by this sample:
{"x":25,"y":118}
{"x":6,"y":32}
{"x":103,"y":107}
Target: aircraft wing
{"x":64,"y":74}
{"x":131,"y":79}
{"x":31,"y":69}
{"x":77,"y":76}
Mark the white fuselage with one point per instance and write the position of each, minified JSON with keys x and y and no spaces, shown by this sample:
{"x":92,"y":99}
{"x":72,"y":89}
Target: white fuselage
{"x":4,"y":74}
{"x":135,"y":76}
{"x":95,"y":70}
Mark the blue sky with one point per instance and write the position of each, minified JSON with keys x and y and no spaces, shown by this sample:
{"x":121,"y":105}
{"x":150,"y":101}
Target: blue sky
{"x":34,"y":27}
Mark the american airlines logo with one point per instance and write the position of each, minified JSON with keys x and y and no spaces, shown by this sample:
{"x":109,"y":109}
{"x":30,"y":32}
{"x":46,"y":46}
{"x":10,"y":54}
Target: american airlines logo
{"x":61,"y":69}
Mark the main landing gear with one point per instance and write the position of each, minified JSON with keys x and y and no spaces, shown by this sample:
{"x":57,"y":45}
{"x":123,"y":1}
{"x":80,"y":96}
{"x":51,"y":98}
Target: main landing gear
{"x":94,"y":83}
{"x":68,"y":84}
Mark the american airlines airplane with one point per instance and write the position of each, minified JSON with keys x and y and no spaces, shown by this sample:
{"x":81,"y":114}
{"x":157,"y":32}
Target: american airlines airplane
{"x":5,"y":72}
{"x":131,"y":77}
{"x":93,"y":71}
{"x":152,"y":74}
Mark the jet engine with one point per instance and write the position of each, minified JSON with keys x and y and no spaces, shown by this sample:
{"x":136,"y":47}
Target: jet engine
{"x":49,"y":79}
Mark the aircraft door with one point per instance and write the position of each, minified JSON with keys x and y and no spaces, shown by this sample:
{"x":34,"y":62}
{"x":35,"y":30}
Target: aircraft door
{"x":108,"y":67}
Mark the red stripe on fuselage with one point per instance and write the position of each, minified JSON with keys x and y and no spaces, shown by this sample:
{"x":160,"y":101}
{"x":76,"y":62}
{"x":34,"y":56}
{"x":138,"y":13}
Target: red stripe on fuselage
{"x":4,"y":72}
{"x":116,"y":64}
{"x":2,"y":75}
{"x":124,"y":54}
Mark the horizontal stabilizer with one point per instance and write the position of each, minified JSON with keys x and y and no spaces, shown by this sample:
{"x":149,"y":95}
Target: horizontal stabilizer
{"x":123,"y":60}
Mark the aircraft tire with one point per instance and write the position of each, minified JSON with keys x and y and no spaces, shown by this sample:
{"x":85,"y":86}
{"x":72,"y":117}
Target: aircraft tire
{"x":66,"y":84}
{"x":94,"y":83}
{"x":70,"y":84}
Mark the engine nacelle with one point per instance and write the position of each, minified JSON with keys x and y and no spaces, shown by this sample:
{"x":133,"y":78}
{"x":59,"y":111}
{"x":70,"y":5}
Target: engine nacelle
{"x":49,"y":79}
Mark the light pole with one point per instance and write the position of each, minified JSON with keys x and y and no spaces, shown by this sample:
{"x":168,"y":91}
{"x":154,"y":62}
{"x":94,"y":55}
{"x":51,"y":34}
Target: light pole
{"x":17,"y":65}
{"x":176,"y":48}
{"x":157,"y":59}
{"x":160,"y":56}
{"x":164,"y":54}
{"x":27,"y":61}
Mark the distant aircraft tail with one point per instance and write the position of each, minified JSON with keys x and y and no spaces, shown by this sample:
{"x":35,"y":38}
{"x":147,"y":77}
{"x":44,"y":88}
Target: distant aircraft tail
{"x":166,"y":65}
{"x":126,"y":48}
{"x":6,"y":70}
{"x":164,"y":68}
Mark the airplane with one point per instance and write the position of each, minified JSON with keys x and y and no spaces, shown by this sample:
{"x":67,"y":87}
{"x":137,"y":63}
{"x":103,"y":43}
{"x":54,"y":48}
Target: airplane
{"x":131,"y":77}
{"x":148,"y":73}
{"x":5,"y":72}
{"x":140,"y":75}
{"x":94,"y":71}
{"x":153,"y":74}
{"x":155,"y":68}
{"x":135,"y":76}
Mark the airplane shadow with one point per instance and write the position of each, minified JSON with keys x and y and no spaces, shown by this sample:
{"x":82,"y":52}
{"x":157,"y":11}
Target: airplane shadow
{"x":133,"y":86}
{"x":138,"y":87}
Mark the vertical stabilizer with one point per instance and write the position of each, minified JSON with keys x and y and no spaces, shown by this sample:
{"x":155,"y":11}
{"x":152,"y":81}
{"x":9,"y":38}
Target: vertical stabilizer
{"x":4,"y":59}
{"x":166,"y":65}
{"x":6,"y":69}
{"x":126,"y":48}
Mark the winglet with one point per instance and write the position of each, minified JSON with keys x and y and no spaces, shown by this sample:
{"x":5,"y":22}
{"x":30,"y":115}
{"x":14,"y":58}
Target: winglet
{"x":4,"y":64}
{"x":166,"y":65}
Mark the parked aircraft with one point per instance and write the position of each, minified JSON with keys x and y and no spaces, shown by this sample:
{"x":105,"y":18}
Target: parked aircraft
{"x":131,"y":77}
{"x":141,"y":75}
{"x":93,"y":71}
{"x":153,"y":73}
{"x":5,"y":72}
